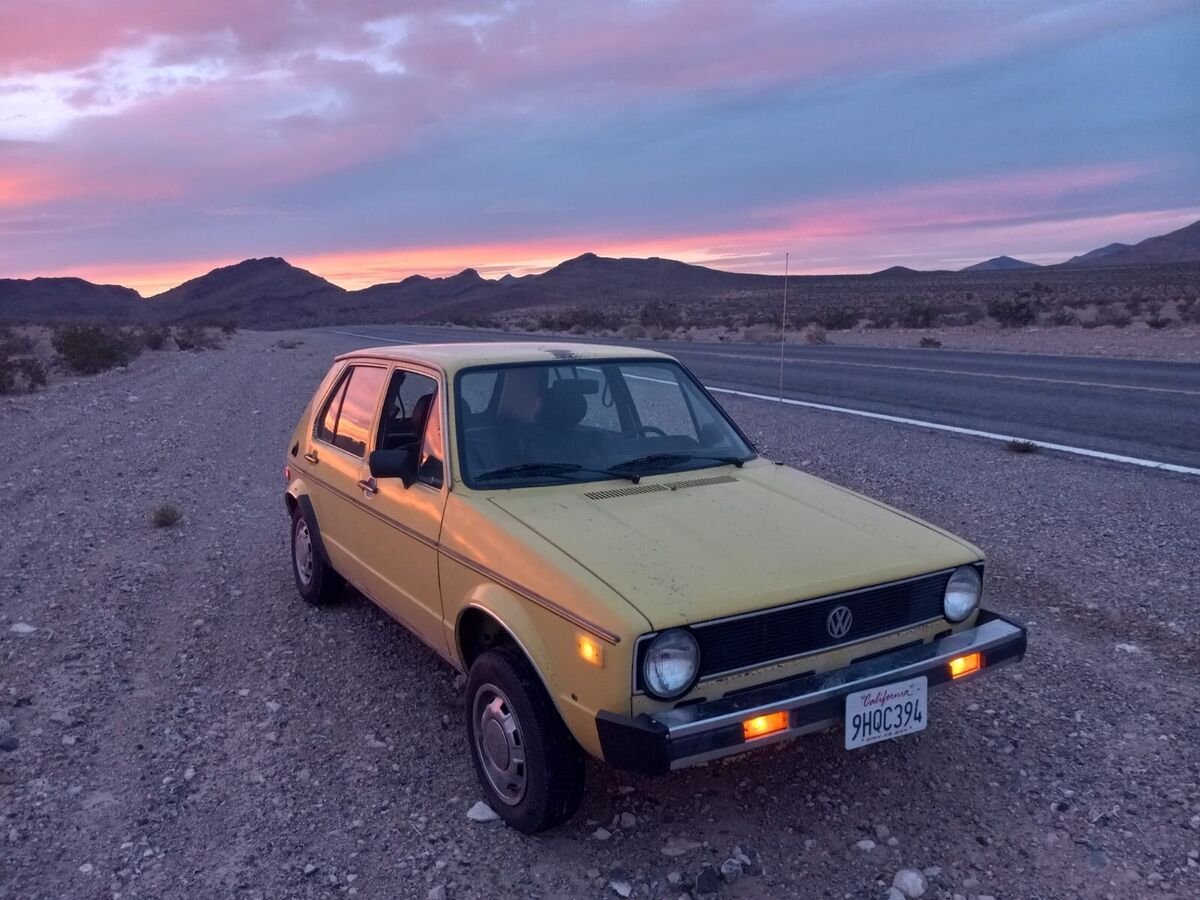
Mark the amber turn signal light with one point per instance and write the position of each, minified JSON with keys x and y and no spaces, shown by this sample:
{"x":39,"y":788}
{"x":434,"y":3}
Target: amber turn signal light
{"x":965,"y":665}
{"x":590,"y":651}
{"x":761,"y":726}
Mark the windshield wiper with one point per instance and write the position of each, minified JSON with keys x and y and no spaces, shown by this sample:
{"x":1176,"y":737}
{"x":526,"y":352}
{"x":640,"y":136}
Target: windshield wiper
{"x":653,"y":459}
{"x":563,"y":469}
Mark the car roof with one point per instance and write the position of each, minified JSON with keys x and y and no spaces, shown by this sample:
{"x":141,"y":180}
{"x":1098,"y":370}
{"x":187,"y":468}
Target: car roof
{"x":452,"y":357}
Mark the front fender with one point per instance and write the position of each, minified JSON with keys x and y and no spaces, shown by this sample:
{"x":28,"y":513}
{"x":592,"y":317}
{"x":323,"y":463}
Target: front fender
{"x":577,"y":688}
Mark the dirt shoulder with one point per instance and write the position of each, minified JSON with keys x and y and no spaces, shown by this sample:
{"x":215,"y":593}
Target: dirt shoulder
{"x":186,"y":726}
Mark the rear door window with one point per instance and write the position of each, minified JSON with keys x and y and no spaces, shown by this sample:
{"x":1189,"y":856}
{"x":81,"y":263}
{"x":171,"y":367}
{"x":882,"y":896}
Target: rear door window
{"x":346,"y":421}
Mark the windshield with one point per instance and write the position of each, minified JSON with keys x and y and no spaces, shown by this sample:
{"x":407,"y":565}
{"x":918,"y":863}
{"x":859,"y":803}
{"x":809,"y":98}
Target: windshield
{"x":592,"y":420}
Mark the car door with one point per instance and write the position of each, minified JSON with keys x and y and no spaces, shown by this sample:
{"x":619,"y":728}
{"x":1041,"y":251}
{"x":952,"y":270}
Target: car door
{"x":335,"y":460}
{"x":403,"y":523}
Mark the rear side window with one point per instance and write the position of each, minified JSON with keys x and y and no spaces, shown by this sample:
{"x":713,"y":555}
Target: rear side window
{"x":346,"y":419}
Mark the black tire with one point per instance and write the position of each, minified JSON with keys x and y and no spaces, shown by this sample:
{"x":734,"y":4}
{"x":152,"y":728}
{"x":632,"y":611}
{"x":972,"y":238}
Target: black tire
{"x":316,"y":580}
{"x":553,"y":774}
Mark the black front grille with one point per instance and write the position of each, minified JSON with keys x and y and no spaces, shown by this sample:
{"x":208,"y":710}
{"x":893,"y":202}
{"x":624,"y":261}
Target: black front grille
{"x":773,"y":634}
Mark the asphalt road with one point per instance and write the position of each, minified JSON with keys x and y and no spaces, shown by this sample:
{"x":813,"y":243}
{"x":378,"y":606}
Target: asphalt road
{"x":1143,"y":409}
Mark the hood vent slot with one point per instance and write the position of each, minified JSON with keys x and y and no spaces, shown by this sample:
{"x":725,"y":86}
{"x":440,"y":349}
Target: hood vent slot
{"x":659,"y":487}
{"x":627,"y":491}
{"x":700,"y":482}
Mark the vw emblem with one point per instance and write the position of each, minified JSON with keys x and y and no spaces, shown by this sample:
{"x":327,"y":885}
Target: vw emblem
{"x":838,"y":622}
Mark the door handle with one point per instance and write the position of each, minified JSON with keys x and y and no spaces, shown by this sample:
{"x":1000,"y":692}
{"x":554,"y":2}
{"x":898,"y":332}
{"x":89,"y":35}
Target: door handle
{"x":311,"y":456}
{"x":368,"y":486}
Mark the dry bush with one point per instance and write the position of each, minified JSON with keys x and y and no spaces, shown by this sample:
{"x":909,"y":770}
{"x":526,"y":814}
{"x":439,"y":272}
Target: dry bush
{"x":165,"y":515}
{"x":288,"y":343}
{"x":198,"y":338}
{"x":930,"y":343}
{"x":919,"y":314}
{"x":89,"y":349}
{"x":761,"y":334}
{"x":1013,"y":312}
{"x":154,"y":337}
{"x":816,"y":335}
{"x":837,"y":319}
{"x":1063,"y":316}
{"x":633,"y":332}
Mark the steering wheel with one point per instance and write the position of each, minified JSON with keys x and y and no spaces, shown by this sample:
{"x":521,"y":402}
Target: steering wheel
{"x":651,"y":429}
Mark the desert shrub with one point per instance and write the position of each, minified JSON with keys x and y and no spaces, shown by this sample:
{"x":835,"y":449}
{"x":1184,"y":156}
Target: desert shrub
{"x":154,"y":336}
{"x":165,"y":515}
{"x":1158,"y":321}
{"x":816,"y":335}
{"x":19,"y":373}
{"x":197,"y":337}
{"x":228,"y":327}
{"x":1064,"y":316}
{"x":659,"y":314}
{"x":1113,"y":315}
{"x":761,"y":334}
{"x":930,"y":343}
{"x":288,"y":343}
{"x":919,"y":314}
{"x":837,"y":319}
{"x":88,"y":349}
{"x":1189,"y":311}
{"x":1017,"y":446}
{"x":577,"y":329}
{"x":633,"y":332}
{"x":1013,"y":312}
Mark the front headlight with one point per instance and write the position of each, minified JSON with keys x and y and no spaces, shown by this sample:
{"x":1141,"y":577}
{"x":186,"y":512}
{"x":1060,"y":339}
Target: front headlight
{"x":671,"y":665}
{"x":962,"y":593}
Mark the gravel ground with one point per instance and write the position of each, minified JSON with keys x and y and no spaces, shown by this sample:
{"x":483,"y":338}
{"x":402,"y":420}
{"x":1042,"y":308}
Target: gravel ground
{"x":177,"y":723}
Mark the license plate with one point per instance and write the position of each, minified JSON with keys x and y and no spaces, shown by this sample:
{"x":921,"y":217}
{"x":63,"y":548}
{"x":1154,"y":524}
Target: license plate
{"x":886,"y":712}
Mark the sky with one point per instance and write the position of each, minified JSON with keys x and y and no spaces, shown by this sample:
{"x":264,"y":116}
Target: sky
{"x":145,"y":142}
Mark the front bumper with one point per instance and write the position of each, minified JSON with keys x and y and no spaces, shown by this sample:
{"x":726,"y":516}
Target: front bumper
{"x":684,"y":736}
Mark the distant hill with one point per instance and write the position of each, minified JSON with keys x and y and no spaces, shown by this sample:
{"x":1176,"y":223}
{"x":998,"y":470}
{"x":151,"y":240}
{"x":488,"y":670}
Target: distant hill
{"x":1000,"y":264}
{"x":68,"y":299}
{"x":252,"y":292}
{"x":1180,"y":246}
{"x":1099,"y":253}
{"x":897,"y":272}
{"x":272,"y":293}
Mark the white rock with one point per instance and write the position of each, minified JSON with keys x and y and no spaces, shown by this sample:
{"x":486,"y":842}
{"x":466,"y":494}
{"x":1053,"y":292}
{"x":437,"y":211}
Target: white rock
{"x":1129,"y":648}
{"x":86,"y":869}
{"x":437,"y":892}
{"x":677,"y":846}
{"x":481,"y":812}
{"x":628,"y":820}
{"x":866,"y":845}
{"x":910,"y":883}
{"x":602,"y":834}
{"x":22,"y":628}
{"x":731,"y":871}
{"x":893,"y":894}
{"x":621,"y":888}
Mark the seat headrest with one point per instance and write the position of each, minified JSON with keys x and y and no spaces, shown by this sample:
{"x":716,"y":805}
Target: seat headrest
{"x":421,"y":412}
{"x":562,"y":406}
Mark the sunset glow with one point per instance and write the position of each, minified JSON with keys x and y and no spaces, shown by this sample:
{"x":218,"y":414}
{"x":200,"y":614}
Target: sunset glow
{"x":145,"y":144}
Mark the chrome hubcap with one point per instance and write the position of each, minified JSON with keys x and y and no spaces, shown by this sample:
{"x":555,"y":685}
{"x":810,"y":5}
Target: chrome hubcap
{"x":304,"y":552}
{"x":499,"y":744}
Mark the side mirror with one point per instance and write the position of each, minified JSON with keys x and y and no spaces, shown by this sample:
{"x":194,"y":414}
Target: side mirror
{"x":400,"y":464}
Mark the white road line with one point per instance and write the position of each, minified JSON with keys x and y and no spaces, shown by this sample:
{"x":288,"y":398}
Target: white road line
{"x":375,"y":337}
{"x":900,"y":420}
{"x":808,"y":361}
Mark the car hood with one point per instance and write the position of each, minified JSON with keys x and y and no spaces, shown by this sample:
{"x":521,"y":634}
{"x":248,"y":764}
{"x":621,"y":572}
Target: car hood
{"x":699,"y":545}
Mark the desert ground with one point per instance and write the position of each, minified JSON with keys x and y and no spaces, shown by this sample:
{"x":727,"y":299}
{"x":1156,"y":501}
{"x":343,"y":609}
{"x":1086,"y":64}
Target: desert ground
{"x":177,"y":723}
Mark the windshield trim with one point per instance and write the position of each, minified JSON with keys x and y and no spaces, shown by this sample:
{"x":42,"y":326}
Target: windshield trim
{"x":459,"y":436}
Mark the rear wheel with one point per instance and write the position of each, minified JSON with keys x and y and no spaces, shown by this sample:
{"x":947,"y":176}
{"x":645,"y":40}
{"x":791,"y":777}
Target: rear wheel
{"x":528,"y":764}
{"x":315,"y":579}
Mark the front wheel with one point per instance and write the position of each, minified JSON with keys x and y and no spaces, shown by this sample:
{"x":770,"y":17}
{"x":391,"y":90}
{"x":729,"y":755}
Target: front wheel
{"x":529,"y":765}
{"x":315,"y":579}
